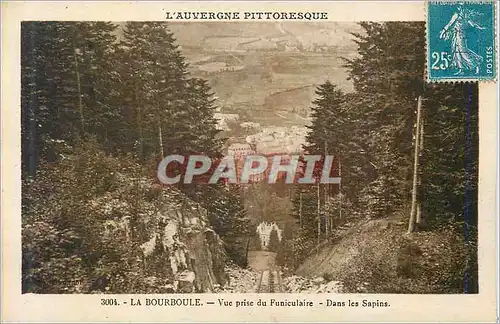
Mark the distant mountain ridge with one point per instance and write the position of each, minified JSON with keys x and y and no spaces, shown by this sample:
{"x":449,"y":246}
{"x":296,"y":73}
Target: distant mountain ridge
{"x":266,"y":66}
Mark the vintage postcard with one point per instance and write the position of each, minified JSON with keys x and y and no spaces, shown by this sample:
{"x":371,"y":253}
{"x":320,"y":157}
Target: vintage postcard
{"x":249,"y":161}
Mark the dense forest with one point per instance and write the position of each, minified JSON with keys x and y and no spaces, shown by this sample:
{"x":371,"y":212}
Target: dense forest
{"x":98,"y":113}
{"x":374,"y":132}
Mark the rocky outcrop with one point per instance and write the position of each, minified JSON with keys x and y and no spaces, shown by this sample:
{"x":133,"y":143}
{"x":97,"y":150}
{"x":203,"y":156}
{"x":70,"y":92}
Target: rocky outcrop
{"x":172,"y":238}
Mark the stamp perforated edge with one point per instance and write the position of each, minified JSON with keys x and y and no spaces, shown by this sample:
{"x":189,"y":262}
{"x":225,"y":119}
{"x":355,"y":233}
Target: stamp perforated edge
{"x":495,"y":43}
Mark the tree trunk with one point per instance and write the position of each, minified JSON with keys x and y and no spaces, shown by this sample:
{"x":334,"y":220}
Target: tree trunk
{"x":32,"y":135}
{"x":79,"y":87}
{"x":319,"y":219}
{"x":160,"y":138}
{"x":300,"y":208}
{"x":326,"y":216}
{"x":418,"y":219}
{"x":160,"y":133}
{"x":246,"y":253}
{"x":411,"y":225}
{"x":139,"y":122}
{"x":340,"y":191}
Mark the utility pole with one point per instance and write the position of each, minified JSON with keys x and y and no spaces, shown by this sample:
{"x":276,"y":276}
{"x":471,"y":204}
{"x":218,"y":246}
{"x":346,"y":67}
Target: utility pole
{"x":411,"y":225}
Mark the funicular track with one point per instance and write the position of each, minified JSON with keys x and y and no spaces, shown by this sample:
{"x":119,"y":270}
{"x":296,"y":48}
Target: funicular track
{"x":269,"y":281}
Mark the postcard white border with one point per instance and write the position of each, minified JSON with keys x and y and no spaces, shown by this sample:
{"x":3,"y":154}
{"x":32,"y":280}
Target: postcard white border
{"x":55,"y":308}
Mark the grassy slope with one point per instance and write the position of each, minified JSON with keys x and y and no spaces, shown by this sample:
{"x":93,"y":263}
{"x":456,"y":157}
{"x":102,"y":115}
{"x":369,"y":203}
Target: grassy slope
{"x":377,"y":256}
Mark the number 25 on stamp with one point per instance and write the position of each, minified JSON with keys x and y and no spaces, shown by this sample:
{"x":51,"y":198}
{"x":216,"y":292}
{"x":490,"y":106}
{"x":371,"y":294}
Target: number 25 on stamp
{"x":461,"y":41}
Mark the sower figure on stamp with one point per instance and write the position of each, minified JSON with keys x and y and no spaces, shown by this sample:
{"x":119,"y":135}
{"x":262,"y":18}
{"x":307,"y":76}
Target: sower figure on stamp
{"x":463,"y":58}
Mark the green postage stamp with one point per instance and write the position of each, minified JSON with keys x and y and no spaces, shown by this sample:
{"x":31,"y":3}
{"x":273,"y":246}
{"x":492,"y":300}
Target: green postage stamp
{"x":461,"y":44}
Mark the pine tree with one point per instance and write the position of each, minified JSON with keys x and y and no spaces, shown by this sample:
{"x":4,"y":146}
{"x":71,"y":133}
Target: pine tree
{"x":47,"y":117}
{"x":388,"y":77}
{"x":274,"y":243}
{"x":451,"y":144}
{"x":153,"y":75}
{"x":95,"y":51}
{"x":327,"y":120}
{"x":327,"y":136}
{"x":163,"y":103}
{"x":227,"y":217}
{"x":204,"y":125}
{"x":65,"y":67}
{"x":307,"y":217}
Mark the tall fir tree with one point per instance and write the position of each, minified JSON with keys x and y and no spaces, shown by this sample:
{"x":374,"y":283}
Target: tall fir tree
{"x":65,"y":66}
{"x":388,"y":78}
{"x":154,"y":79}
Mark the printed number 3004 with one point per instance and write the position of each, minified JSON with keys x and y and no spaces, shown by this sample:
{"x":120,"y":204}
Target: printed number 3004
{"x":109,"y":302}
{"x":440,"y":61}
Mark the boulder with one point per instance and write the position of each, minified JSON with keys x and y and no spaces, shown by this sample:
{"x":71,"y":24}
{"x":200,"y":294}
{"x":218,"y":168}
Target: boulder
{"x":186,"y":281}
{"x":319,"y":280}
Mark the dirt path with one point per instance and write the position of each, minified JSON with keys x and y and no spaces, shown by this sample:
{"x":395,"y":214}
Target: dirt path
{"x":261,"y":260}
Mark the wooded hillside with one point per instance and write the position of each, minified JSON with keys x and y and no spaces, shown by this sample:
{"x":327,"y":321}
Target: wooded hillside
{"x":97,"y":115}
{"x":406,"y":149}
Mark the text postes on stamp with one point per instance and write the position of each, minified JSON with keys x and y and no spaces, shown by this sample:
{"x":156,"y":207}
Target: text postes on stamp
{"x":461,"y":41}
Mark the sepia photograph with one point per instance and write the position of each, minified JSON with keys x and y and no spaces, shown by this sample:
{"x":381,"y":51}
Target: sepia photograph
{"x":111,"y":111}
